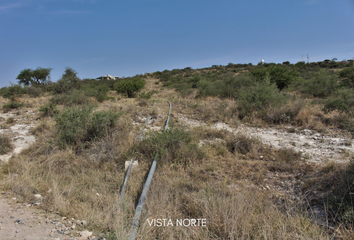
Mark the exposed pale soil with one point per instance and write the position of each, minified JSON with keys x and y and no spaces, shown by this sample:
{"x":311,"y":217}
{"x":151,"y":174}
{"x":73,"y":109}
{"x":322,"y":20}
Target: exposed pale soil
{"x":27,"y":222}
{"x":19,"y":131}
{"x":315,"y":147}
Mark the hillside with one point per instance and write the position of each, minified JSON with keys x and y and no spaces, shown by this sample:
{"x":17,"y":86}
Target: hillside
{"x":258,"y":152}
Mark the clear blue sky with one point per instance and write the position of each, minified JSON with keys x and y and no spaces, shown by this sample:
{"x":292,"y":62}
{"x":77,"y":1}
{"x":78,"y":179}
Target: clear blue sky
{"x":129,"y":37}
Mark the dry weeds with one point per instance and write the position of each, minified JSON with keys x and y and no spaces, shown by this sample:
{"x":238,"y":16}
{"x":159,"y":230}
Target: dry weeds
{"x":223,"y":187}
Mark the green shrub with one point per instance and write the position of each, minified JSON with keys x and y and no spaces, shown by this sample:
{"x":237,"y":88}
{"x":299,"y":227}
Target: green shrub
{"x":48,"y":109}
{"x":195,"y":80}
{"x":129,"y":87}
{"x":70,"y":75}
{"x":258,"y":99}
{"x":285,"y":113}
{"x":347,"y":75}
{"x":77,"y":126}
{"x":320,"y":85}
{"x":13,"y":91}
{"x":33,"y":91}
{"x":342,"y":100}
{"x":12,"y":105}
{"x":344,"y":121}
{"x":99,"y":92}
{"x":71,"y":98}
{"x":186,"y":92}
{"x":280,"y":75}
{"x":175,"y":145}
{"x":206,"y":88}
{"x":100,"y":122}
{"x":65,"y":85}
{"x":146,"y":95}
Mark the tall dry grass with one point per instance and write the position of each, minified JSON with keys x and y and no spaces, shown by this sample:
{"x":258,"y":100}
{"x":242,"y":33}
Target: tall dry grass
{"x":86,"y":186}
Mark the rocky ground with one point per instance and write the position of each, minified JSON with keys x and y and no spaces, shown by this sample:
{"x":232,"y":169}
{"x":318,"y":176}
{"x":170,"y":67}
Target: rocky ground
{"x":17,"y":125}
{"x":26,"y":221}
{"x":315,"y":147}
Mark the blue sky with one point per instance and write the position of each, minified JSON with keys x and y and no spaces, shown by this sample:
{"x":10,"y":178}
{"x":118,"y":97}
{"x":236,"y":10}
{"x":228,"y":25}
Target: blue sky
{"x":129,"y":37}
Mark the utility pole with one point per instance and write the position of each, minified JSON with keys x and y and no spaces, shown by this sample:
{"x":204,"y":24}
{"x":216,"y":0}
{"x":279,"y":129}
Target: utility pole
{"x":307,"y":58}
{"x":302,"y":57}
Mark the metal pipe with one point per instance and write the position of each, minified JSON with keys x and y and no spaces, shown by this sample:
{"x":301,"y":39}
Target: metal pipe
{"x":168,"y":116}
{"x":140,"y":206}
{"x":129,"y":168}
{"x":125,"y":183}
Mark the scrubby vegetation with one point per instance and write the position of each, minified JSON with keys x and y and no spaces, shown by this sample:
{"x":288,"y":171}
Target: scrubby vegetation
{"x":78,"y":125}
{"x":5,"y":144}
{"x":129,"y":87}
{"x":176,"y":145}
{"x":88,"y":129}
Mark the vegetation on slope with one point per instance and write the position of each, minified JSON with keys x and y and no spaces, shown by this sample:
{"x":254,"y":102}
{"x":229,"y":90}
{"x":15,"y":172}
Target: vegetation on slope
{"x":77,"y":162}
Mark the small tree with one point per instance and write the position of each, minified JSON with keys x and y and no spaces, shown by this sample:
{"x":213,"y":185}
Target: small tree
{"x":25,"y":77}
{"x":129,"y":87}
{"x":70,"y":75}
{"x":39,"y":75}
{"x":277,"y":74}
{"x":69,"y":80}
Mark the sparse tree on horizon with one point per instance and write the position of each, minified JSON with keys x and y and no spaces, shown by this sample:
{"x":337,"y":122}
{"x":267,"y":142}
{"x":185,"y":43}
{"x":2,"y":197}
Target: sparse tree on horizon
{"x":37,"y":76}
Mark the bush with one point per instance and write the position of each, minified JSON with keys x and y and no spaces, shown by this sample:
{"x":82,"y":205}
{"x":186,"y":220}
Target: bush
{"x":48,"y":109}
{"x":71,"y":98}
{"x":99,"y":92}
{"x":12,"y":92}
{"x":320,"y":85}
{"x":175,"y":145}
{"x":146,"y":95}
{"x":242,"y":144}
{"x":77,"y":126}
{"x":33,"y":91}
{"x":206,"y":88}
{"x":129,"y":87}
{"x":12,"y":105}
{"x":347,"y":75}
{"x":279,"y":75}
{"x":70,"y":75}
{"x":343,"y":101}
{"x":5,"y":144}
{"x":195,"y":80}
{"x":63,"y":86}
{"x":284,"y":114}
{"x":258,"y":99}
{"x":68,"y":81}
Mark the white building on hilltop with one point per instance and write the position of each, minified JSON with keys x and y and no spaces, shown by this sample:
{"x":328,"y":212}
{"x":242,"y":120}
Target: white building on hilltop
{"x":107,"y":77}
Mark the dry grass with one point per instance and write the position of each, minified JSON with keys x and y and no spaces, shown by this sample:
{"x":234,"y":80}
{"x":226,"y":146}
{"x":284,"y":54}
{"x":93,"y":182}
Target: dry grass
{"x":244,"y":214}
{"x":5,"y":144}
{"x":223,"y":186}
{"x":86,"y":185}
